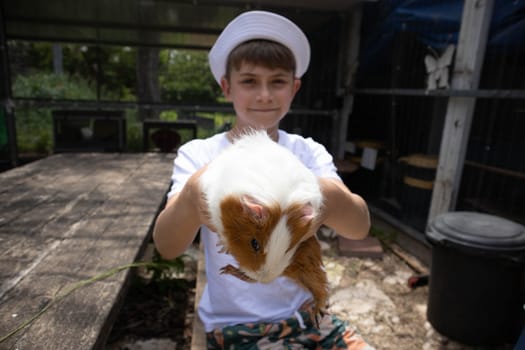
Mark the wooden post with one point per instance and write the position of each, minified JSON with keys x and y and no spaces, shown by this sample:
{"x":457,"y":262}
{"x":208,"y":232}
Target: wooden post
{"x":475,"y":23}
{"x":349,"y":66}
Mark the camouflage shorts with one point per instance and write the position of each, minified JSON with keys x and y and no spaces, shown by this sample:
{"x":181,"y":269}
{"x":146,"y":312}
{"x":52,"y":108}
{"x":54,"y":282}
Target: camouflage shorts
{"x":293,"y":333}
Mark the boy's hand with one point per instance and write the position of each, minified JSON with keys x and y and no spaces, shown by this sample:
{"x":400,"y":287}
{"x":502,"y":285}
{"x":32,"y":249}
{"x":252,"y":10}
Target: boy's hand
{"x":343,"y":211}
{"x":198,"y":198}
{"x":178,"y":224}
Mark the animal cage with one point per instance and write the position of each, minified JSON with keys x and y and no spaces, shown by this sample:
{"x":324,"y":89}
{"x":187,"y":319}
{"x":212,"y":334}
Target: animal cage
{"x":401,"y":102}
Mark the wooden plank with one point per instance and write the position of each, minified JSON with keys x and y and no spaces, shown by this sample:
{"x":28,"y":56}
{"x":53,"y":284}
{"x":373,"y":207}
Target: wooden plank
{"x":98,"y":215}
{"x":475,"y":23}
{"x":29,"y":229}
{"x":497,"y":170}
{"x":198,"y":338}
{"x":410,"y":260}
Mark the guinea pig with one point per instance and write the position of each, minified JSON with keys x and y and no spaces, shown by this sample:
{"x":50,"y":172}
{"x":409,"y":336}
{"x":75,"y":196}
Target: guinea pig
{"x":265,"y":204}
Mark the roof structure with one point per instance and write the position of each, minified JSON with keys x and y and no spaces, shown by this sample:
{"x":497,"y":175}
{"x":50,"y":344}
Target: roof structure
{"x":162,"y":23}
{"x":175,"y":24}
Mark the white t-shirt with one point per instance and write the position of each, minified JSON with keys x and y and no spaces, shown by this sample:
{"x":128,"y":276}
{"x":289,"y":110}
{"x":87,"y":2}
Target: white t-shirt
{"x":227,"y":300}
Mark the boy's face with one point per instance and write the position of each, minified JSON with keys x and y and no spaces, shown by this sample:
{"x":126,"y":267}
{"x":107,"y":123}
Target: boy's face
{"x":261,"y":96}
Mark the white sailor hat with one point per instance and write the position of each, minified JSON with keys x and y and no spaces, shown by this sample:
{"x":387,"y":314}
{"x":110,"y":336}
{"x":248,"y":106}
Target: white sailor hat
{"x":259,"y":25}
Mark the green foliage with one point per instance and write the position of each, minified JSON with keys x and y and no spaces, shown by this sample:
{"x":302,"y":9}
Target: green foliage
{"x":133,"y":131}
{"x":34,"y":125}
{"x":26,"y":57}
{"x":162,"y":269}
{"x":134,"y":137}
{"x":113,"y":66}
{"x":184,"y":74}
{"x":185,"y":77}
{"x":118,"y":75}
{"x":387,"y":238}
{"x":163,"y":272}
{"x":34,"y":130}
{"x":169,"y":115}
{"x":55,"y":86}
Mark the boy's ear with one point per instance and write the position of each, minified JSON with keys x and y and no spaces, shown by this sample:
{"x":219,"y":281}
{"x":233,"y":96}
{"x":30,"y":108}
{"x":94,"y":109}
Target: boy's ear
{"x":296,"y":85}
{"x":225,"y":87}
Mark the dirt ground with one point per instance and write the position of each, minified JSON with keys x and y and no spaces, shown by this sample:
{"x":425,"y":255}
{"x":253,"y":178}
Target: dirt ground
{"x":371,"y":293}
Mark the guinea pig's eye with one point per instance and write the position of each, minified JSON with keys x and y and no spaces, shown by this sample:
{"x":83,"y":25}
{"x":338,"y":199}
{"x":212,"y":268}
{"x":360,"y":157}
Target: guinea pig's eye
{"x":255,"y":245}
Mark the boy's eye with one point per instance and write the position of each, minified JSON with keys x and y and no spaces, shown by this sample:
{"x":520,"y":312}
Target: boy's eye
{"x":248,"y":81}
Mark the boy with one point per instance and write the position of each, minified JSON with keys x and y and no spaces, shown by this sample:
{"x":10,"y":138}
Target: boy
{"x":258,"y":60}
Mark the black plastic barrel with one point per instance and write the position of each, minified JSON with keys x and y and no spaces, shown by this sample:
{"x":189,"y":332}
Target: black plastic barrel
{"x":476,"y":292}
{"x":419,"y":172}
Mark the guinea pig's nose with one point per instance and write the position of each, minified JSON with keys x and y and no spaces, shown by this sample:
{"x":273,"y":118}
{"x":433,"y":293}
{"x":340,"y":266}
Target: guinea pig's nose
{"x":266,"y":275}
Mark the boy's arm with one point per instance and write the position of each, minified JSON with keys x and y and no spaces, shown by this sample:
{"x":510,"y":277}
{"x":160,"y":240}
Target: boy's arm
{"x":344,"y":211}
{"x":177,"y":225}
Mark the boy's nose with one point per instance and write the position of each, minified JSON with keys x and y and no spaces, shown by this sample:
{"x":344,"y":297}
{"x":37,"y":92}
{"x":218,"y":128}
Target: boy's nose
{"x":264,"y":94}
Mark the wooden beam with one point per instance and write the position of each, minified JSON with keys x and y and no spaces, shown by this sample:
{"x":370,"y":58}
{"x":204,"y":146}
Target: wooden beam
{"x":351,"y":42}
{"x":475,"y":23}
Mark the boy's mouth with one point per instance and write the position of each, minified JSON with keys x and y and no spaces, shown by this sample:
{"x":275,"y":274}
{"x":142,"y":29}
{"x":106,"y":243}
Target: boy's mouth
{"x":265,"y":110}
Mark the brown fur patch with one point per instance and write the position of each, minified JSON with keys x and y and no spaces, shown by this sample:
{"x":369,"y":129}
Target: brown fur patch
{"x":297,"y":225}
{"x":307,"y":270}
{"x":232,"y":270}
{"x":241,"y":228}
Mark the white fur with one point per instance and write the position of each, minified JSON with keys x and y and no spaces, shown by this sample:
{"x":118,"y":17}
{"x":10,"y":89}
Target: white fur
{"x":277,"y":258}
{"x":255,"y":165}
{"x":260,"y":167}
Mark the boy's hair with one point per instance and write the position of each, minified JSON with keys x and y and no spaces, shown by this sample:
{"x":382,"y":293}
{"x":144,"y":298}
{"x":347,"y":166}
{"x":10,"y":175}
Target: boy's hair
{"x":266,"y":53}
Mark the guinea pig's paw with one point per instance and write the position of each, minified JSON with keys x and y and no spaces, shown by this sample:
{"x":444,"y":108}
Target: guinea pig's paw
{"x":223,"y":248}
{"x":232,"y":270}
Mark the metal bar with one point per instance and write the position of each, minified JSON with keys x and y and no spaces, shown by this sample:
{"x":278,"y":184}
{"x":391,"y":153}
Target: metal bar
{"x":113,"y":25}
{"x":90,"y":104}
{"x":313,"y":7}
{"x":504,"y":94}
{"x":103,"y":42}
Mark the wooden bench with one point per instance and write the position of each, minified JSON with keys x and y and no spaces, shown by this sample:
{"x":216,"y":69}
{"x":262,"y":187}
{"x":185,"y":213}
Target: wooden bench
{"x":65,"y":219}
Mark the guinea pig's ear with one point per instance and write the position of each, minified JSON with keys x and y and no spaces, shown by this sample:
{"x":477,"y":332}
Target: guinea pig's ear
{"x":254,"y":207}
{"x":307,"y":213}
